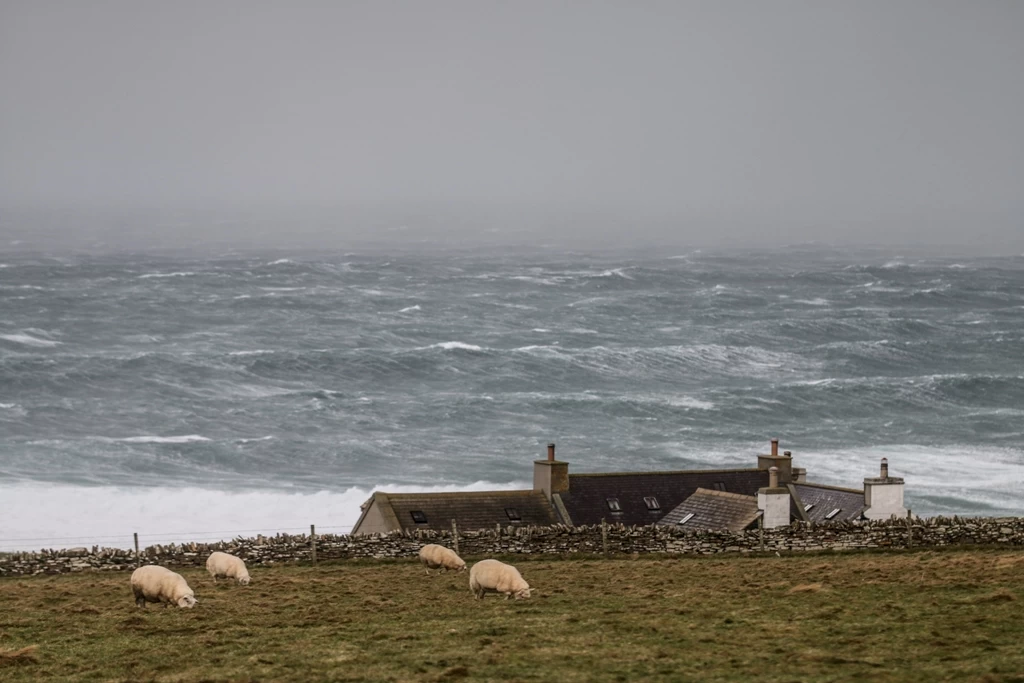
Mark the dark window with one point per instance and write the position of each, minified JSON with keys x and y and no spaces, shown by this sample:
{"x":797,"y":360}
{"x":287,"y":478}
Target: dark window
{"x":720,"y":486}
{"x":418,"y":517}
{"x":613,"y":505}
{"x":513,"y":514}
{"x":652,"y":503}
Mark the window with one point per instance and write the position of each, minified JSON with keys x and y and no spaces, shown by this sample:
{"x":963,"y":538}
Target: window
{"x":418,"y":516}
{"x":720,"y":486}
{"x":808,"y":507}
{"x":652,"y":503}
{"x":513,"y":514}
{"x":685,"y":519}
{"x":613,"y":505}
{"x":832,"y":514}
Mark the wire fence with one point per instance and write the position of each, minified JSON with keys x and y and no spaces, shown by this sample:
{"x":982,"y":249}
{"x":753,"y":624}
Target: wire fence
{"x":127,"y":540}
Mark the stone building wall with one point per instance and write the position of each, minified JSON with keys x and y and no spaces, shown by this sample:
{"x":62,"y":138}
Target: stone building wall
{"x":553,"y":540}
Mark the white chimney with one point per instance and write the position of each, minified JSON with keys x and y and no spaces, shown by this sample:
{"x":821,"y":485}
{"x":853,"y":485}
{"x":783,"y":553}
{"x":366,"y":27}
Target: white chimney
{"x":883,"y":495}
{"x":773,"y":502}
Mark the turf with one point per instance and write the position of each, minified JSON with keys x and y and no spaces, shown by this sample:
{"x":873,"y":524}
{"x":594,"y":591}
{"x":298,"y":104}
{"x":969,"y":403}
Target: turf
{"x":903,"y":616}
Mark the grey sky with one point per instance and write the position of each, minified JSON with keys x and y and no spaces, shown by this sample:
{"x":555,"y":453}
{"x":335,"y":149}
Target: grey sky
{"x":805,"y":120}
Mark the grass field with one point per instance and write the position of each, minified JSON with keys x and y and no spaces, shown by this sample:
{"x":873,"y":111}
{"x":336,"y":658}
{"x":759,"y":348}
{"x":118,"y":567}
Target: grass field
{"x":926,"y":616}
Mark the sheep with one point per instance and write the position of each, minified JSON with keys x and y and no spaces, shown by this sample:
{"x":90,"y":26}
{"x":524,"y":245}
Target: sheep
{"x":157,"y":584}
{"x":438,"y":557}
{"x":497,"y":577}
{"x":223,"y":565}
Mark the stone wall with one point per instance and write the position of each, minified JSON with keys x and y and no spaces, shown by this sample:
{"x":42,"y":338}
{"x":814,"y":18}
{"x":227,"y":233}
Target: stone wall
{"x":557,"y":540}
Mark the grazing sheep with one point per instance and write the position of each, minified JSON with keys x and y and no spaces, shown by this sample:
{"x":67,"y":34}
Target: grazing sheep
{"x":228,"y":566}
{"x":497,"y":577}
{"x":157,"y":584}
{"x":438,"y":557}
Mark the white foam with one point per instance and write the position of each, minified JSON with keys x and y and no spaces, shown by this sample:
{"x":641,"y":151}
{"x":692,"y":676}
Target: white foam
{"x":153,"y":275}
{"x":7,"y":406}
{"x":812,"y":302}
{"x":254,"y":352}
{"x":29,"y":340}
{"x":61,"y":516}
{"x":409,"y":309}
{"x":280,"y":262}
{"x":451,"y":346}
{"x":187,"y":438}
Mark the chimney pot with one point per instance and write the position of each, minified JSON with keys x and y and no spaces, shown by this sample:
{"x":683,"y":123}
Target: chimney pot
{"x":773,"y":477}
{"x":885,"y":468}
{"x":775,"y":446}
{"x":788,"y":454}
{"x":551,"y":452}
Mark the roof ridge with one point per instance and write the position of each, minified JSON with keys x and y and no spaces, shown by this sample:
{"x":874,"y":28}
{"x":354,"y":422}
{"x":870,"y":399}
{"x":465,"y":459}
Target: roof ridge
{"x":829,"y":487}
{"x":474,"y":494}
{"x":723,"y":494}
{"x":663,"y":472}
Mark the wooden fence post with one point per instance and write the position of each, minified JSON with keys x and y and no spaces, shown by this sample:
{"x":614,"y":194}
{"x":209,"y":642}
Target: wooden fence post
{"x":910,"y":530}
{"x":760,"y":531}
{"x":136,"y":535}
{"x":312,"y":542}
{"x":604,"y":537}
{"x":455,"y":536}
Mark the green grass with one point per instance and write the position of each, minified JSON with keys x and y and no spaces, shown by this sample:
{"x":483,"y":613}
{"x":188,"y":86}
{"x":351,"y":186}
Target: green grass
{"x":926,"y":616}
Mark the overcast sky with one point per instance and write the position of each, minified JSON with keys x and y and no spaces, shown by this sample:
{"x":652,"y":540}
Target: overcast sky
{"x":702,"y":121}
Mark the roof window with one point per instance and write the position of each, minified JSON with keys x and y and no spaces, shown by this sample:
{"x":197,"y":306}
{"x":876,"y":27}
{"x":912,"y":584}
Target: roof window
{"x":685,"y":519}
{"x":652,"y":503}
{"x":808,"y":507}
{"x":719,"y":485}
{"x":833,"y":513}
{"x":418,"y":516}
{"x":613,"y":505}
{"x":513,"y":514}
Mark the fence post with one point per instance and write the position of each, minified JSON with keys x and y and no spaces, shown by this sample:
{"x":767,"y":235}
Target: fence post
{"x":312,"y":542}
{"x":136,"y":535}
{"x":455,"y":536}
{"x":604,"y":538}
{"x":760,"y":531}
{"x":910,"y":530}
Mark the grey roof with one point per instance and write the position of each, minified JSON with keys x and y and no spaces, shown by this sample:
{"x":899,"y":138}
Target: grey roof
{"x":825,"y":499}
{"x":587,"y":498}
{"x":471,"y":510}
{"x":714,"y":511}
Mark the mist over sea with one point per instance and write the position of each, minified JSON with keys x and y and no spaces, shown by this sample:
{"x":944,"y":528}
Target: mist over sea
{"x":190,"y":397}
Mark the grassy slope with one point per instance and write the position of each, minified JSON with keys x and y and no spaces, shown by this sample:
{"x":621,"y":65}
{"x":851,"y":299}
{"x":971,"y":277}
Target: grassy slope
{"x":900,"y":616}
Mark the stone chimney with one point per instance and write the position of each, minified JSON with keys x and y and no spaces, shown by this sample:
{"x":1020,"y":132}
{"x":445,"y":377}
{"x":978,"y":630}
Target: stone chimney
{"x":783,"y":462}
{"x":550,"y":476}
{"x":773,"y":502}
{"x":883,"y":495}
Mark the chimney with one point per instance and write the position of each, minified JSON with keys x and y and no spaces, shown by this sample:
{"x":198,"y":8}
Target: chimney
{"x":783,"y":462}
{"x":773,"y":502}
{"x":883,"y":496}
{"x":550,"y":476}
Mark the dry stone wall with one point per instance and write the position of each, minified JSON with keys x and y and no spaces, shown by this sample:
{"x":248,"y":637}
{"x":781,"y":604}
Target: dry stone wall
{"x":552,"y":540}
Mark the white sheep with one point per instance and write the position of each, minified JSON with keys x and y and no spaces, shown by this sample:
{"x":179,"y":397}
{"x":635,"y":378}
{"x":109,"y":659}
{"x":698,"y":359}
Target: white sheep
{"x":158,"y":584}
{"x":497,"y":577}
{"x":438,"y":557}
{"x":227,"y":566}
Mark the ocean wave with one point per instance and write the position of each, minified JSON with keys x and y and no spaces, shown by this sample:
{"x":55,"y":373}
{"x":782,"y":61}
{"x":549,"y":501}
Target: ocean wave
{"x":27,"y":340}
{"x":188,"y":438}
{"x":410,"y":309}
{"x":184,"y":273}
{"x":451,"y":346}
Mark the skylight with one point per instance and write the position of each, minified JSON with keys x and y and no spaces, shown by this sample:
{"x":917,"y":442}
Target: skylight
{"x":652,"y":503}
{"x":833,"y":513}
{"x":686,"y":519}
{"x":808,"y":506}
{"x":418,"y":516}
{"x":613,"y":505}
{"x":720,"y":486}
{"x":513,"y":514}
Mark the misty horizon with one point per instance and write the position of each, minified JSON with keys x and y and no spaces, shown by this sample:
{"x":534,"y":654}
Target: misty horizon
{"x":733,"y":124}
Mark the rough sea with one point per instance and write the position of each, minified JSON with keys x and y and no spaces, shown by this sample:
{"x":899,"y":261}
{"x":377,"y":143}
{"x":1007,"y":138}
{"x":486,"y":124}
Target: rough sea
{"x":190,"y":398}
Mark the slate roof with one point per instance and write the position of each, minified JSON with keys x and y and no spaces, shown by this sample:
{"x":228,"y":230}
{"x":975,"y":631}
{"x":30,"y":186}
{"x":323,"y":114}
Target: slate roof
{"x":470,"y":510}
{"x":586,"y":501}
{"x":825,"y":499}
{"x":715,"y":511}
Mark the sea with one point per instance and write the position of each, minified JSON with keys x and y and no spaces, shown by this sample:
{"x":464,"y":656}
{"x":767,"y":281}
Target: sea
{"x":198,"y":396}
